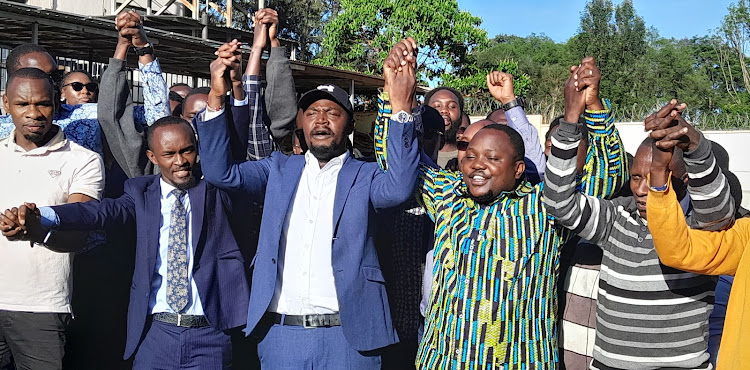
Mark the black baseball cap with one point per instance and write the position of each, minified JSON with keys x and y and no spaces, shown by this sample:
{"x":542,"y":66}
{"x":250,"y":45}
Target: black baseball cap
{"x":330,"y":92}
{"x":432,"y":120}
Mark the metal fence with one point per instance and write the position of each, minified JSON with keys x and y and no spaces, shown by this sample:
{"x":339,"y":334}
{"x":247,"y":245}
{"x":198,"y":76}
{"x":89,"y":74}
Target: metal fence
{"x":96,"y":69}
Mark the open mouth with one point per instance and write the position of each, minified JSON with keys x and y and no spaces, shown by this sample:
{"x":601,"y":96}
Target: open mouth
{"x":478,"y":179}
{"x":321,"y":134}
{"x":447,"y":121}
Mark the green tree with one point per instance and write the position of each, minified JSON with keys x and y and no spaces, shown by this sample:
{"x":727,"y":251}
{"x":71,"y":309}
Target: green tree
{"x":616,"y":37}
{"x":361,"y":34}
{"x":299,"y":20}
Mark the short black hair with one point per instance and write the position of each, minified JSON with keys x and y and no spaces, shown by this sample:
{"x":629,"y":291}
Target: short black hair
{"x":31,"y":74}
{"x":515,"y":139}
{"x":67,"y":75}
{"x":13,"y":62}
{"x":455,"y":92}
{"x":198,"y":91}
{"x":163,"y":122}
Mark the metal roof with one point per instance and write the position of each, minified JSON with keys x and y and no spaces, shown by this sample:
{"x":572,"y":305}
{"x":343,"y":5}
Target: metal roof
{"x":94,"y":39}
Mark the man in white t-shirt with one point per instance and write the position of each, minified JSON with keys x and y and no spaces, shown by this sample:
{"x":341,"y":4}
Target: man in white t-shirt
{"x":38,"y":164}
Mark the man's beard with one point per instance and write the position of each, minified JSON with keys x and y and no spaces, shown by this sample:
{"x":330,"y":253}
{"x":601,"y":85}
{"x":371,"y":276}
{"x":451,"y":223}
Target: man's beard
{"x":34,"y":137}
{"x":187,"y":184}
{"x":450,"y":135}
{"x":327,"y":152}
{"x":483,"y":199}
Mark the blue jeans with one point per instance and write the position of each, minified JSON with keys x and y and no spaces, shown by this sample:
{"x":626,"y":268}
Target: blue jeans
{"x":716,"y":321}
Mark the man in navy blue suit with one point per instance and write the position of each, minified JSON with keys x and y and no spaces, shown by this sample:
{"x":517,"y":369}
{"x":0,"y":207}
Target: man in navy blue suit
{"x":318,"y":297}
{"x":189,"y":285}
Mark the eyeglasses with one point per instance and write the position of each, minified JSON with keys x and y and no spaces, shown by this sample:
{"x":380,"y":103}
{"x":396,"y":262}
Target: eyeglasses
{"x":462,"y":145}
{"x":78,"y":86}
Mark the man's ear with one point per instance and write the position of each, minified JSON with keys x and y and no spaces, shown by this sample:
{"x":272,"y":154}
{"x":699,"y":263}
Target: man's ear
{"x":349,"y":127}
{"x":151,"y":157}
{"x":6,"y":105}
{"x":520,"y":168}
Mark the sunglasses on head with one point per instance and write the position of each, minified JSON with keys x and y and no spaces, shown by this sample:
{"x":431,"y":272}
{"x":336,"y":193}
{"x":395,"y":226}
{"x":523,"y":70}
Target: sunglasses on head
{"x":462,"y":145}
{"x":78,"y":86}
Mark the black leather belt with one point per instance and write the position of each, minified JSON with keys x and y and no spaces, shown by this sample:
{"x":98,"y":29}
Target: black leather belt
{"x":185,"y":321}
{"x":307,"y":321}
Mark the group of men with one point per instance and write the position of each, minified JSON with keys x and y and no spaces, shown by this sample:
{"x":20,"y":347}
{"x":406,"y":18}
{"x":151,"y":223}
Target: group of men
{"x":242,"y":256}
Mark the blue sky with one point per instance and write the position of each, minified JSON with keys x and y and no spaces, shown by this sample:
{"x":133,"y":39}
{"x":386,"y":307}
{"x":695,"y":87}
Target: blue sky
{"x":559,"y":19}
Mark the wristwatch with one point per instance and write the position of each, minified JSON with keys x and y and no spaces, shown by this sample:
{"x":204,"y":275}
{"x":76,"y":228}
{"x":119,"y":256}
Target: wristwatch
{"x":513,"y":103}
{"x":402,"y":117}
{"x":148,"y":49}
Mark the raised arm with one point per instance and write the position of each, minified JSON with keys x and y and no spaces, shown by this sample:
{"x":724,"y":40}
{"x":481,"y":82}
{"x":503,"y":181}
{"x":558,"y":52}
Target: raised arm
{"x":280,"y":94}
{"x":585,"y":215}
{"x":116,"y":111}
{"x":500,"y":85}
{"x":698,"y":251}
{"x":605,"y":170}
{"x":216,"y":158}
{"x":393,"y":186}
{"x":259,"y":141}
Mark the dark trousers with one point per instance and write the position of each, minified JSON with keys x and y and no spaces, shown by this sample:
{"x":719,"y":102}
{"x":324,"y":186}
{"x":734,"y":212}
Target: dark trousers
{"x":166,"y":347}
{"x":34,"y":341}
{"x":298,"y":348}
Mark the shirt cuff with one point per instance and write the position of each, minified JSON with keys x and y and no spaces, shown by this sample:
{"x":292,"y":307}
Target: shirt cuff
{"x":206,"y":115}
{"x":239,"y":103}
{"x":151,"y":67}
{"x":49,"y":217}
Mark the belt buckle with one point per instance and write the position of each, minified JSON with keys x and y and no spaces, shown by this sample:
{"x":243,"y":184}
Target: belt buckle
{"x":305,"y":322}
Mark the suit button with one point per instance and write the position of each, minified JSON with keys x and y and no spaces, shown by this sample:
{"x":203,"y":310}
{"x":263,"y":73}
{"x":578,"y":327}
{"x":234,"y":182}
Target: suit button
{"x":273,"y":260}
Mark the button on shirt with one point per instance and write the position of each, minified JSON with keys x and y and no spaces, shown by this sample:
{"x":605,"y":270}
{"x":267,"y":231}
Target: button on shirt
{"x":158,"y":300}
{"x":304,"y":281}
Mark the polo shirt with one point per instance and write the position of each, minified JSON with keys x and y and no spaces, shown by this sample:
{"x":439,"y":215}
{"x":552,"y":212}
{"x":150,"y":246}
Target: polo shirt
{"x":32,"y":277}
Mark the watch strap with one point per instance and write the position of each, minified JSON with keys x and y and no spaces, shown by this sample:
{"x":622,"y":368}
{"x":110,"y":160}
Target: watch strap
{"x":511,"y":104}
{"x":148,"y":49}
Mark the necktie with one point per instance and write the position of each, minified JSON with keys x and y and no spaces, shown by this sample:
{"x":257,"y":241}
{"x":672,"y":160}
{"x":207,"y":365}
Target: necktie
{"x":177,"y":264}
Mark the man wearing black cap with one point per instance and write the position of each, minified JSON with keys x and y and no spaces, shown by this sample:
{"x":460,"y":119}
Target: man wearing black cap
{"x":318,"y":297}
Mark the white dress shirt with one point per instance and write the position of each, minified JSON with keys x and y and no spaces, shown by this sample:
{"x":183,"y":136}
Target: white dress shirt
{"x":304,"y":282}
{"x":158,"y":301}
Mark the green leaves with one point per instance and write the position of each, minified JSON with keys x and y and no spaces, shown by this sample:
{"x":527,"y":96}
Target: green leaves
{"x":361,"y":35}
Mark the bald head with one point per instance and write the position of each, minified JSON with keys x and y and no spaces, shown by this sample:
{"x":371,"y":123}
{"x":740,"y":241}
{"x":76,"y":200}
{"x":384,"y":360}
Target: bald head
{"x":469,"y":134}
{"x":498,"y":116}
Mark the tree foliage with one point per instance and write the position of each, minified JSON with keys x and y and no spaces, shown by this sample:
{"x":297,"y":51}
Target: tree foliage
{"x":299,"y":20}
{"x":359,"y":37}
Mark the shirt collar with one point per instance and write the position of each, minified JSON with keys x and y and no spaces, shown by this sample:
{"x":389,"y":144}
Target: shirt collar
{"x":336,"y":162}
{"x":166,"y":188}
{"x":58,"y":141}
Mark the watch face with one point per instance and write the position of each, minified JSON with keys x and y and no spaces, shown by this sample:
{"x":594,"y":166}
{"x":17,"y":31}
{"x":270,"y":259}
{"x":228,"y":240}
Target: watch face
{"x":402,"y":116}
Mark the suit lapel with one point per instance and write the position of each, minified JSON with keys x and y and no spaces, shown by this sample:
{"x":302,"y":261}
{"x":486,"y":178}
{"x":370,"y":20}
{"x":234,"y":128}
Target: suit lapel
{"x":153,"y":221}
{"x":344,"y":183}
{"x":197,"y":196}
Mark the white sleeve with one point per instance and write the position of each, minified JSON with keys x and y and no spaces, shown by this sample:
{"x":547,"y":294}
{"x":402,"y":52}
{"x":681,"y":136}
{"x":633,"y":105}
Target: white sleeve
{"x":89,"y":178}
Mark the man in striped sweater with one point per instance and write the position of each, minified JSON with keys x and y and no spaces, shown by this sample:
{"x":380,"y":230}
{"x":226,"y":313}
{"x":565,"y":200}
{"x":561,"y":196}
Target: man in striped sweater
{"x":649,"y":316}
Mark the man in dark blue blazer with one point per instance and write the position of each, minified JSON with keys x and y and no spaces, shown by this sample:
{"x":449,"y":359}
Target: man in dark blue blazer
{"x":189,"y":284}
{"x":318,"y":298}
